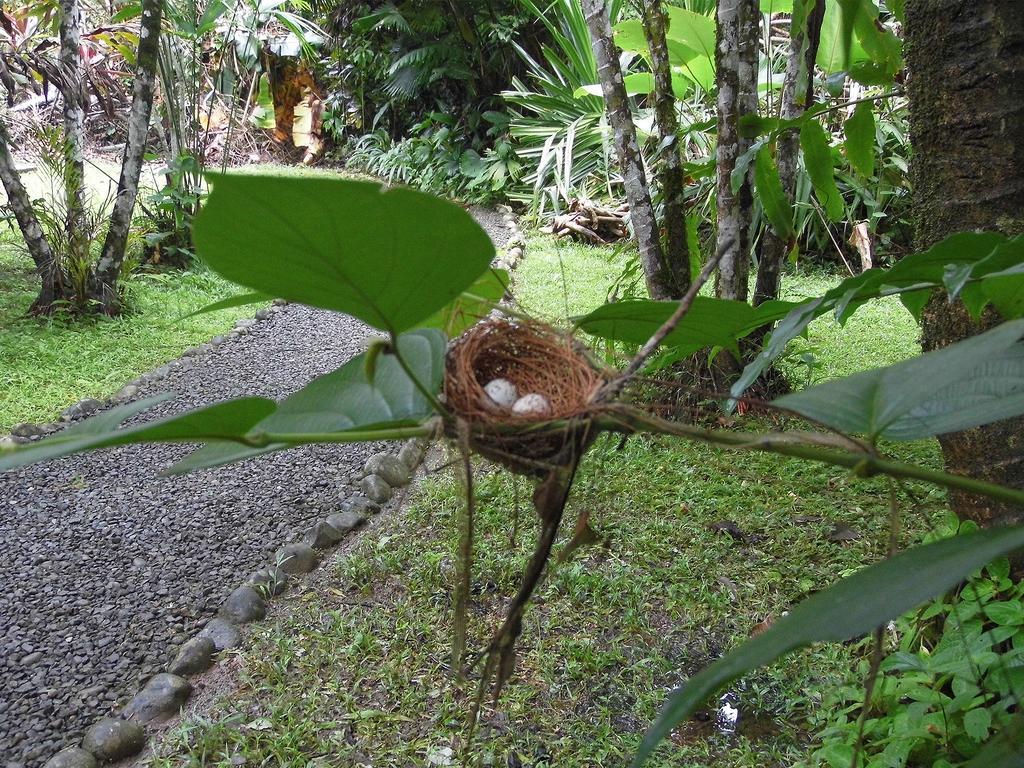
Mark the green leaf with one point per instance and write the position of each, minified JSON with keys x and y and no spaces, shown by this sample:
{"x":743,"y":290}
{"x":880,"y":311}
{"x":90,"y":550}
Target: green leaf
{"x":1005,"y":613}
{"x":472,"y":305}
{"x":818,"y":160}
{"x":773,"y":198}
{"x":231,"y":419}
{"x":742,"y":166}
{"x":390,"y":257}
{"x":832,"y":54}
{"x":850,"y":608}
{"x":776,"y":6}
{"x":238,"y":300}
{"x":709,"y":323}
{"x":919,"y":273}
{"x":880,"y":44}
{"x":641,"y":84}
{"x":345,"y":400}
{"x":693,"y":60}
{"x":692,"y":30}
{"x":976,"y":381}
{"x":263,"y":115}
{"x":977,"y":722}
{"x":860,"y":138}
{"x":1005,"y":749}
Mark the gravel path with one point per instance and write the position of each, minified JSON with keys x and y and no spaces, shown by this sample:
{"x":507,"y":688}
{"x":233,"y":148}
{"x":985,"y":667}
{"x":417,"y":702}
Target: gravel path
{"x":108,"y":567}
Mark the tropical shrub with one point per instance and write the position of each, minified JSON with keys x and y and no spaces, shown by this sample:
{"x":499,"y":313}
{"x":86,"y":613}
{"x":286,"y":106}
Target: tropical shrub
{"x":953,"y":677}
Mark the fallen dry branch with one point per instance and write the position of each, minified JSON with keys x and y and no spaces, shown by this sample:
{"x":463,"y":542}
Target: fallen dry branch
{"x":588,"y":222}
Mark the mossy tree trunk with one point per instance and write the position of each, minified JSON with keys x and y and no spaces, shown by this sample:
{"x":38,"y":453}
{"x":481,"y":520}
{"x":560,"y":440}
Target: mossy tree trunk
{"x":671,"y":178}
{"x":736,"y":54}
{"x":797,"y":95}
{"x":108,"y":269}
{"x":966,"y":90}
{"x":641,"y":210}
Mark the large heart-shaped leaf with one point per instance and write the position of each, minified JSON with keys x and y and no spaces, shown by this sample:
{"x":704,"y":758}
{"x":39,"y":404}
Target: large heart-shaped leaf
{"x":231,"y":419}
{"x":852,"y":607}
{"x":709,"y":323}
{"x":346,"y":399}
{"x":391,"y":257}
{"x":976,"y":381}
{"x":693,"y":30}
{"x":472,"y":305}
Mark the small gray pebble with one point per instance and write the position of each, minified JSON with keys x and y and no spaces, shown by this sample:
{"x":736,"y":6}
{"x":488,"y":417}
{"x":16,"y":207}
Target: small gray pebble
{"x":343,"y":522}
{"x":411,"y":454}
{"x":162,"y":697}
{"x":359,"y":503}
{"x":28,"y":430}
{"x":195,"y":656}
{"x":112,"y":739}
{"x":224,"y":634}
{"x":375,"y":488}
{"x":389,"y":468}
{"x":243,"y":605}
{"x":297,"y":558}
{"x":321,"y":536}
{"x":72,"y":757}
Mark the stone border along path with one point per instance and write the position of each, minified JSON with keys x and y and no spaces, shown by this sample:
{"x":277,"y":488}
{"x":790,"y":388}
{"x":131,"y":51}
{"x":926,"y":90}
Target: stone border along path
{"x":108,"y":564}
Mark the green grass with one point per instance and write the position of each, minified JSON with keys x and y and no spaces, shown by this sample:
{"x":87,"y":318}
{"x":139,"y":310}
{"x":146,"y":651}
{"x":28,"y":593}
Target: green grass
{"x":48,"y":364}
{"x":358,"y":669}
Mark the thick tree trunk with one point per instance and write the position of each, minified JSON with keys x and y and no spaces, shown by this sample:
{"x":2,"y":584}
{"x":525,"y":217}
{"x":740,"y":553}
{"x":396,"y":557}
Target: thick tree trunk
{"x":641,"y":210}
{"x":797,"y":95}
{"x":108,"y":269}
{"x":73,"y":97}
{"x":736,"y":52}
{"x":670,"y":176}
{"x":966,"y":89}
{"x":35,"y":240}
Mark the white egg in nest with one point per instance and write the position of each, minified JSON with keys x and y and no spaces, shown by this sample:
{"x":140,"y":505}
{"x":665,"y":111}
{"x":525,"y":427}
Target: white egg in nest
{"x":501,"y":393}
{"x":532,"y":405}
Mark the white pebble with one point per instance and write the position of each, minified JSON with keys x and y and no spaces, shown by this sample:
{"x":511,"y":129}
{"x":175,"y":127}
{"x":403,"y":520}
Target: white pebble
{"x":532,"y":405}
{"x":501,"y":393}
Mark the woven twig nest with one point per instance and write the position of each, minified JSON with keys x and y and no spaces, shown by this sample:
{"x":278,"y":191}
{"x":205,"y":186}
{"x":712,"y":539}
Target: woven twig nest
{"x":536,"y":360}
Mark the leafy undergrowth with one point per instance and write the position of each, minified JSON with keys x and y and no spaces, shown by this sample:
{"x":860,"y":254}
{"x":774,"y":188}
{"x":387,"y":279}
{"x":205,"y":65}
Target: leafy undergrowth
{"x":48,"y":364}
{"x":700,"y":546}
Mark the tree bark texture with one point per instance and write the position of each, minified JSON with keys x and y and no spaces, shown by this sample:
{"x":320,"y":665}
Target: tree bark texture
{"x":966,"y":92}
{"x":108,"y":269}
{"x":35,"y":240}
{"x":641,"y":210}
{"x":797,"y":96}
{"x":670,"y":175}
{"x":74,"y":100}
{"x":736,"y":52}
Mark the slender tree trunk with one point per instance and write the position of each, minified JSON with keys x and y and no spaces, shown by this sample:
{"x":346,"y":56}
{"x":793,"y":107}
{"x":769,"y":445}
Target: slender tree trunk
{"x":736,"y":53}
{"x":671,"y":177}
{"x":966,"y":89}
{"x":73,"y":98}
{"x":641,"y":211}
{"x":109,"y":267}
{"x":35,"y":240}
{"x":797,"y":96}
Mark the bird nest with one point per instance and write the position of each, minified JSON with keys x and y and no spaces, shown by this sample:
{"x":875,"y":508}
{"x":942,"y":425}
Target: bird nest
{"x":547,"y":369}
